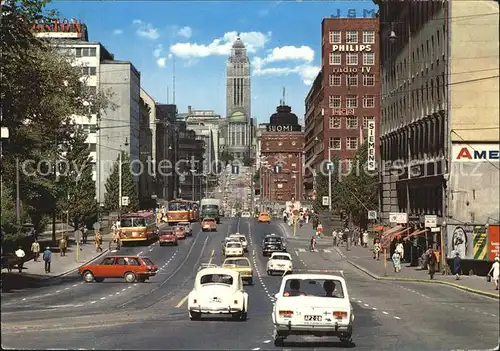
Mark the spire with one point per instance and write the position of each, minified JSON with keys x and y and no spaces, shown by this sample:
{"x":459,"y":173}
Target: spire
{"x":283,"y":99}
{"x":238,"y":35}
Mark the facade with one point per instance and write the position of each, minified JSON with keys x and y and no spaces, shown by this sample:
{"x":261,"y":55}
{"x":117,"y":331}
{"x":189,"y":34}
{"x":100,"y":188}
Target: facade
{"x":440,"y":113}
{"x":281,"y":171}
{"x":344,"y":96}
{"x":238,"y":140}
{"x":147,"y":191}
{"x":166,"y":178}
{"x":261,"y":128}
{"x":151,"y":104}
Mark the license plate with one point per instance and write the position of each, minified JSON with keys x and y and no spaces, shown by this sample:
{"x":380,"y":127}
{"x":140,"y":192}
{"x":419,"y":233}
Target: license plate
{"x":216,"y":299}
{"x":313,"y":318}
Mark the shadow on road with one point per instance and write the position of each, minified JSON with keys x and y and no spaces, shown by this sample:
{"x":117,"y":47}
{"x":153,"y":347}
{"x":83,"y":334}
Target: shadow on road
{"x":13,"y":282}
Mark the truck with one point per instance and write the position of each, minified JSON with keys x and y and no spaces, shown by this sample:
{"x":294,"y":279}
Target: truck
{"x":210,"y":208}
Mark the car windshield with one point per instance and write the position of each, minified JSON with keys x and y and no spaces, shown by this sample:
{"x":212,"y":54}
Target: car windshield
{"x":238,"y":262}
{"x":209,"y":207}
{"x":314,"y":287}
{"x":132,"y":222}
{"x":177,"y":206}
{"x":147,"y":261}
{"x":167,"y":232}
{"x":233,"y":245}
{"x":281,"y":257}
{"x":184,"y":224}
{"x":272,"y":240}
{"x":216,"y":278}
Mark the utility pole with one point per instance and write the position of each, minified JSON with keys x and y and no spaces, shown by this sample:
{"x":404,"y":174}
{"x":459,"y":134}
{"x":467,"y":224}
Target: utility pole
{"x":18,"y":201}
{"x":120,"y":182}
{"x":329,"y":180}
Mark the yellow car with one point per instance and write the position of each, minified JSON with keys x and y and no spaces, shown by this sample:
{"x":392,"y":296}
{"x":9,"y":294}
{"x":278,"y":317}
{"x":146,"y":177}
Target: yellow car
{"x":264,"y":217}
{"x":241,"y":265}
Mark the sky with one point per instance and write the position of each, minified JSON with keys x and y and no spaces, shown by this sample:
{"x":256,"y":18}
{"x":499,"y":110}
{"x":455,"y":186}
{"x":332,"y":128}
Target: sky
{"x":283,"y":40}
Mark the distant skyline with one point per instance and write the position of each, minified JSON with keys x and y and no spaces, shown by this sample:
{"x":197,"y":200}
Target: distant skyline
{"x":197,"y":37}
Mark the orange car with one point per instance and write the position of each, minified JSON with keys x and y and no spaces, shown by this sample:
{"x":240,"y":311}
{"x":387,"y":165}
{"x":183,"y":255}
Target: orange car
{"x":264,"y":217}
{"x":167,"y":237}
{"x":132,"y":268}
{"x":208,"y":224}
{"x":180,"y":232}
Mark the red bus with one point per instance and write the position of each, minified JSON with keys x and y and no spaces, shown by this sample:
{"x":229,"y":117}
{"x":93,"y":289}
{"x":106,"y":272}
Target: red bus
{"x":137,"y":227}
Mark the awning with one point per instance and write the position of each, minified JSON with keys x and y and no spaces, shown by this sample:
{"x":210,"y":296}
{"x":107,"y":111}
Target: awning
{"x":378,"y":228}
{"x":391,"y":231}
{"x":415,"y":233}
{"x":398,"y":234}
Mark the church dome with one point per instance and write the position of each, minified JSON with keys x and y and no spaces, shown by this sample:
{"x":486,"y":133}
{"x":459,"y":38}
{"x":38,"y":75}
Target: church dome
{"x":238,"y":44}
{"x":284,"y":116}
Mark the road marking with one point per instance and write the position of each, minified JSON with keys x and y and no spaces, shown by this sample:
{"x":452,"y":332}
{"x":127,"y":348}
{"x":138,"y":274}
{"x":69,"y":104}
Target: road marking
{"x":66,"y":289}
{"x":110,"y":295}
{"x":92,"y":302}
{"x":24,"y":299}
{"x":302,"y":250}
{"x":397,"y":317}
{"x":374,"y":308}
{"x":179,"y":305}
{"x":75,"y":285}
{"x":118,"y":293}
{"x":124,"y":289}
{"x":366,"y":305}
{"x":103,"y":298}
{"x":140,"y":253}
{"x":384,"y":312}
{"x":327,"y":251}
{"x":58,"y":291}
{"x":266,"y":341}
{"x":255,"y":349}
{"x":360,"y":301}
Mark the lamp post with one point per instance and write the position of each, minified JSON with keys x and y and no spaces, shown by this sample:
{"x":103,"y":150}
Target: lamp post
{"x":330,"y":168}
{"x":193,"y":171}
{"x":120,"y":176}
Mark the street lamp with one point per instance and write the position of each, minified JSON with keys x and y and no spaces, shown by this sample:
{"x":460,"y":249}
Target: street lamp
{"x":193,"y":171}
{"x":294,"y":176}
{"x":120,"y":176}
{"x":330,"y":168}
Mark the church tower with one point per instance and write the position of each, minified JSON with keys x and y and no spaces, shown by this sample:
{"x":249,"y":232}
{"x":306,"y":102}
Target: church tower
{"x":238,"y":113}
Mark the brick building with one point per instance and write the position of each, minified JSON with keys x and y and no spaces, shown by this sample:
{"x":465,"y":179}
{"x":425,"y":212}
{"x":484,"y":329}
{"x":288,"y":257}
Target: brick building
{"x":345,"y":95}
{"x":281,"y":171}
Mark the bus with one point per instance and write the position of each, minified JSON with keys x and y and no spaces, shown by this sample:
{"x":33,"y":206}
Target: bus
{"x":177,"y":211}
{"x":138,"y":227}
{"x":193,"y":211}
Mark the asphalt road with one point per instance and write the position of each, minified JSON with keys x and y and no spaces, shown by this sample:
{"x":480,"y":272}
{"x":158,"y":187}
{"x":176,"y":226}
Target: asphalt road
{"x":153,"y":315}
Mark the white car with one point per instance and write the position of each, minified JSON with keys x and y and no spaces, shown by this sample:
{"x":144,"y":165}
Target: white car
{"x":279,"y":262}
{"x":312,"y":304}
{"x":218,"y":291}
{"x":242,"y":239}
{"x":245,"y":215}
{"x":233,"y":249}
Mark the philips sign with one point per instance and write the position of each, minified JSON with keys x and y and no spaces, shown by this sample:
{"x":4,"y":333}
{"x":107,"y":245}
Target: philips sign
{"x":476,"y":153}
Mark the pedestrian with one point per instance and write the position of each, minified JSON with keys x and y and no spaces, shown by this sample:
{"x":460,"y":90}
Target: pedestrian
{"x":365,"y":239}
{"x":20,"y":254}
{"x":98,"y":241}
{"x":401,"y":249}
{"x":63,"y":246}
{"x":377,"y":248}
{"x":495,"y":272}
{"x":334,"y":238}
{"x":456,"y":265}
{"x":35,"y":248}
{"x":431,"y":262}
{"x":319,"y":229}
{"x":396,"y":261}
{"x":47,"y":258}
{"x":284,"y":216}
{"x":85,"y":234}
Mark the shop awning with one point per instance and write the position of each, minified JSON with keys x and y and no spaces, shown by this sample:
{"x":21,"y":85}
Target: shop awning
{"x":392,"y":230}
{"x":415,"y":233}
{"x":398,"y":234}
{"x":378,"y":228}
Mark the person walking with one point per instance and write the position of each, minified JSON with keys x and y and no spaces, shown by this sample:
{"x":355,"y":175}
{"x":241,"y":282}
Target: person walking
{"x":63,"y":246}
{"x":20,"y":254}
{"x":396,"y":261}
{"x":431,"y":262}
{"x":377,"y":248}
{"x":456,"y":265}
{"x":401,"y":249}
{"x":495,"y":272}
{"x":365,"y":239}
{"x":35,"y":248}
{"x":98,"y":241}
{"x":85,"y":235}
{"x":47,"y":258}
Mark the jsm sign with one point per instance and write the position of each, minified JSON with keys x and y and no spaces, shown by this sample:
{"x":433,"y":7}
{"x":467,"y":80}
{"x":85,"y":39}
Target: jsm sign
{"x":354,"y":13}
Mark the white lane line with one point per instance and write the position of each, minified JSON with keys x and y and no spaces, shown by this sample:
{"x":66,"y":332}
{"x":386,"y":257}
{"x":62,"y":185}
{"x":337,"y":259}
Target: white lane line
{"x":374,"y":308}
{"x":110,"y":295}
{"x":75,"y":285}
{"x":384,"y":312}
{"x":396,"y":317}
{"x":92,"y":302}
{"x":266,"y":341}
{"x":66,"y":289}
{"x":118,"y":293}
{"x":140,"y":253}
{"x":302,"y":250}
{"x":124,"y":289}
{"x":103,"y":298}
{"x":58,"y":291}
{"x":24,"y":299}
{"x":255,"y":349}
{"x":327,"y":251}
{"x":366,"y":305}
{"x":360,"y":301}
{"x":129,"y":287}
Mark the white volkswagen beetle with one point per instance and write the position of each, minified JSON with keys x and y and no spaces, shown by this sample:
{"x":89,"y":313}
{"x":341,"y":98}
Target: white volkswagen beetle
{"x":312,"y":304}
{"x":234,"y":249}
{"x":218,"y":291}
{"x":279,"y":262}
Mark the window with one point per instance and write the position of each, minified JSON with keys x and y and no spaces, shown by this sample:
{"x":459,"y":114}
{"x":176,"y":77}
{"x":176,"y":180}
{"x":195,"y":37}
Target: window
{"x":85,"y":52}
{"x":352,"y":122}
{"x":366,"y":119}
{"x":334,"y":122}
{"x":334,"y":101}
{"x":351,"y":37}
{"x":335,"y":80}
{"x":351,"y":80}
{"x":108,"y":261}
{"x":352,"y":59}
{"x":369,"y":37}
{"x":351,"y":101}
{"x":352,"y":143}
{"x":89,"y":71}
{"x":368,"y":58}
{"x":369,"y":80}
{"x":335,"y":59}
{"x":369,"y":101}
{"x":335,"y":37}
{"x":121,"y":261}
{"x":335,"y":143}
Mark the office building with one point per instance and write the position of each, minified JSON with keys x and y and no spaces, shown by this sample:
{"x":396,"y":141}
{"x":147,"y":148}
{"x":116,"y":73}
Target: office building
{"x":167,"y":180}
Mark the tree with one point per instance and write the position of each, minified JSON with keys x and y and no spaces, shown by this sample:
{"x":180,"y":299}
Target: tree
{"x":226,"y":157}
{"x":338,"y":193}
{"x":129,"y":188}
{"x":77,"y":181}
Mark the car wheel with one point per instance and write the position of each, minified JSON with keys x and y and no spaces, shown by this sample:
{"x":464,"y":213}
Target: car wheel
{"x":130,"y":277}
{"x":347,"y":341}
{"x":195,"y":316}
{"x":88,"y":277}
{"x":279,"y":342}
{"x":244,"y":316}
{"x":99,"y":280}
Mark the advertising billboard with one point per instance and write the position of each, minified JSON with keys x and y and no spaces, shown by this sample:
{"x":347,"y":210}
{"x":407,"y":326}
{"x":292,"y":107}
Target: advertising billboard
{"x":470,"y":241}
{"x":493,"y":242}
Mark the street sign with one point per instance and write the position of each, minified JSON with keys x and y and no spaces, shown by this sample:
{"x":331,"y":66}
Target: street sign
{"x":78,"y":235}
{"x":125,"y":200}
{"x":96,"y":226}
{"x":372,"y":214}
{"x":385,"y":241}
{"x":330,"y":166}
{"x":430,"y":221}
{"x":325,"y":200}
{"x":398,"y":217}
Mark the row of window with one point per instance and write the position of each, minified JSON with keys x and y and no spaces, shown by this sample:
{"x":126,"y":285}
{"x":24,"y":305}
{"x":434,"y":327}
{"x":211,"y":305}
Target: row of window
{"x":351,"y":143}
{"x":351,"y":37}
{"x":89,"y":71}
{"x":351,"y":59}
{"x":351,"y":80}
{"x":85,"y":52}
{"x":351,"y":101}
{"x":351,"y":122}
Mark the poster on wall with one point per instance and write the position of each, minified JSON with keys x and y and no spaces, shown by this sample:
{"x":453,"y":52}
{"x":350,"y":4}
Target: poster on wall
{"x":471,"y":242}
{"x":493,"y":242}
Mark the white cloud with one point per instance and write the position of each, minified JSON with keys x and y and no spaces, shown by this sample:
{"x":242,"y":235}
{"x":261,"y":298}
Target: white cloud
{"x":118,"y":31}
{"x":146,"y":30}
{"x":161,"y":62}
{"x":185,"y":32}
{"x":306,"y":70}
{"x":221,"y":46}
{"x":158,"y":50}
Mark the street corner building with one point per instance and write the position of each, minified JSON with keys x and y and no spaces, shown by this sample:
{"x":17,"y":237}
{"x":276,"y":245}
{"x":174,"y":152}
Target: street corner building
{"x":281,"y":157}
{"x":439,"y":127}
{"x":344,"y":100}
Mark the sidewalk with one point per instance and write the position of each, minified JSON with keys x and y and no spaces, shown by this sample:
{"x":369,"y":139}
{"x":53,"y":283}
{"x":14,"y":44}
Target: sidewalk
{"x":303,"y":234}
{"x":362,"y":257}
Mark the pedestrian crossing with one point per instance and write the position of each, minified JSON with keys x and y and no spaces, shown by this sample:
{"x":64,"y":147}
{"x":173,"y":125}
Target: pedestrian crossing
{"x":317,"y":250}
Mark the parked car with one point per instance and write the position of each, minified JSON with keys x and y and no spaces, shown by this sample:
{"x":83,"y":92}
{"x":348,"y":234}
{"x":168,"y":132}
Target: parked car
{"x":167,"y":236}
{"x":131,"y":268}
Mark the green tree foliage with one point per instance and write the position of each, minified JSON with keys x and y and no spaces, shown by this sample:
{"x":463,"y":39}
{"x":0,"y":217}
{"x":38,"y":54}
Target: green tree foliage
{"x":338,"y":193}
{"x":76,"y":181}
{"x":129,"y":188}
{"x":40,"y":90}
{"x":8,"y":212}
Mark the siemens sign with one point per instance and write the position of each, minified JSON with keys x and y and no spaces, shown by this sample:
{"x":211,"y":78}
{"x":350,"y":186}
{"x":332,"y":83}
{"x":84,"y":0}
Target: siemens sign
{"x":476,"y":153}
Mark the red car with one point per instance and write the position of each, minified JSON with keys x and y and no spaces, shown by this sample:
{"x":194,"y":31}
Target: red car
{"x":132,"y":268}
{"x":167,"y":237}
{"x":180,"y":232}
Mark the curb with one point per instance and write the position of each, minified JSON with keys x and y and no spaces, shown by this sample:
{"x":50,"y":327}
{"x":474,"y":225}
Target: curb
{"x":416,"y":280}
